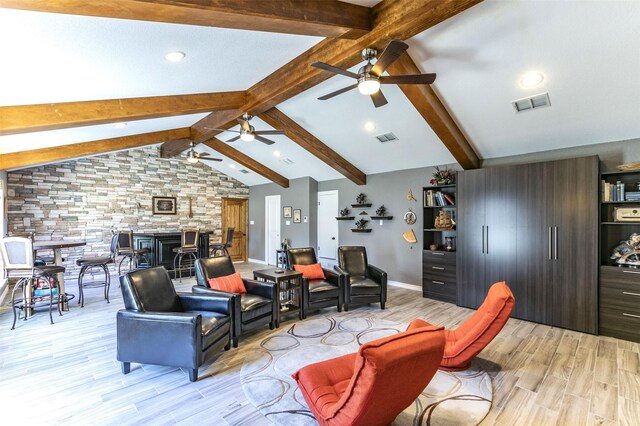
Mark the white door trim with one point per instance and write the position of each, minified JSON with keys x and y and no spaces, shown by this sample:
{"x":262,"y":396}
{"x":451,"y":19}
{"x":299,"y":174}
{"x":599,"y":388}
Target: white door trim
{"x":266,"y":223}
{"x":337,"y":194}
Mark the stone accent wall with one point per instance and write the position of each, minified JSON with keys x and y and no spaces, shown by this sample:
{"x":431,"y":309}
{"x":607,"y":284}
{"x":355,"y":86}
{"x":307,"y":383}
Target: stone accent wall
{"x":85,"y":199}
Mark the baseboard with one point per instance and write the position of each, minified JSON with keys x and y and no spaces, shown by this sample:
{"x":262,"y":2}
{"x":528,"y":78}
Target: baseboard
{"x":257,"y":261}
{"x":404,"y":285}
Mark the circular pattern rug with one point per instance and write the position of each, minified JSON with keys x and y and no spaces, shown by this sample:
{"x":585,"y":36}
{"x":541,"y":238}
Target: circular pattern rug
{"x":451,"y":398}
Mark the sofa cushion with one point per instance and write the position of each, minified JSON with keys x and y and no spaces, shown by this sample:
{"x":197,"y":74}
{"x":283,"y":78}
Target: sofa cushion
{"x":311,"y":272}
{"x":229,"y":283}
{"x":361,"y":285}
{"x":320,"y":289}
{"x":254,"y":306}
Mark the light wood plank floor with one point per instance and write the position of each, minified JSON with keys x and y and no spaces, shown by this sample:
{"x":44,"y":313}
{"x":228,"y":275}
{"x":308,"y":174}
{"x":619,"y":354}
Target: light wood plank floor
{"x":67,"y":373}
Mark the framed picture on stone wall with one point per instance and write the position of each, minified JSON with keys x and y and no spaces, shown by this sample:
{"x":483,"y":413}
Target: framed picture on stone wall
{"x":163,"y":205}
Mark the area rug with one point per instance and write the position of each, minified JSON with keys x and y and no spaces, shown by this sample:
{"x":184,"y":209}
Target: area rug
{"x":452,"y":398}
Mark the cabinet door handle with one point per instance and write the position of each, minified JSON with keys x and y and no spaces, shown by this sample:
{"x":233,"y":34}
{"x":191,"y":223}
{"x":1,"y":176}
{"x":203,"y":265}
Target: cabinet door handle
{"x":630,"y":315}
{"x":550,"y":244}
{"x":482,"y":239}
{"x":438,"y":282}
{"x":439,"y":268}
{"x":437,"y":254}
{"x":555,"y":242}
{"x":630,"y":293}
{"x":630,"y":272}
{"x":487,"y":239}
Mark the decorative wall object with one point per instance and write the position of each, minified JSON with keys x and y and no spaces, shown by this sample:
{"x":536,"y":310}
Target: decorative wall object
{"x":297,"y":216}
{"x":627,"y":252}
{"x":163,"y":205}
{"x":361,"y":201}
{"x":380,"y":211}
{"x":361,"y":226}
{"x":410,"y":217}
{"x":286,"y":211}
{"x":344,"y":212}
{"x":410,"y":196}
{"x":443,"y":177}
{"x":444,"y":221}
{"x":410,"y":237}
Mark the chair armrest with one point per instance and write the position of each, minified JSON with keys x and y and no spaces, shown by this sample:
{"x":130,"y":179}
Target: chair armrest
{"x":222,"y":303}
{"x":159,"y":317}
{"x":262,"y":288}
{"x":332,"y":277}
{"x":340,"y":271}
{"x":377,"y":274}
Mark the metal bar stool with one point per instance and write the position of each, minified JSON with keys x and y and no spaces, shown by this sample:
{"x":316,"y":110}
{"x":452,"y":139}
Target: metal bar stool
{"x":17,"y":255}
{"x":222,"y":249}
{"x":89,"y":264}
{"x":189,"y":248}
{"x":126,"y":248}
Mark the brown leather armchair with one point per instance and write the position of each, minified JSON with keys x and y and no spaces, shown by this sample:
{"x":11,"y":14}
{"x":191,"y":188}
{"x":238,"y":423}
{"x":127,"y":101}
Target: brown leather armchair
{"x":363,"y":283}
{"x":317,"y":293}
{"x":162,"y":327}
{"x":257,"y":307}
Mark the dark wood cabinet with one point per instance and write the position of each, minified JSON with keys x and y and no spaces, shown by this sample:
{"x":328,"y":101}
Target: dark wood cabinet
{"x":535,"y":227}
{"x":439,"y":275}
{"x":161,"y":245}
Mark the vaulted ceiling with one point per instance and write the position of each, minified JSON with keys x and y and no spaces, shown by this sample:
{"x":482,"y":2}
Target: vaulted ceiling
{"x":57,"y":65}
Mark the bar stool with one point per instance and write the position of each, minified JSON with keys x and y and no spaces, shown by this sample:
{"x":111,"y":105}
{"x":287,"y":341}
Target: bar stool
{"x":221,"y":249}
{"x":128,"y":251}
{"x":17,"y":255}
{"x":189,"y":248}
{"x":89,"y":264}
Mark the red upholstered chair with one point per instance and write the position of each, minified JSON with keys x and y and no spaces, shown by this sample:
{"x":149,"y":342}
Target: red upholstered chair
{"x":466,"y":341}
{"x":371,"y":387}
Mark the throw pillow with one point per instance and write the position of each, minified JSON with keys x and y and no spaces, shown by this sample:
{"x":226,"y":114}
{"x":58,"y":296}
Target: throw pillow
{"x":229,"y":283}
{"x":311,"y":272}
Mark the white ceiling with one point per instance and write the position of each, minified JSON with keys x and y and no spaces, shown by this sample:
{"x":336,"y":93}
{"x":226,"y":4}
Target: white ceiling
{"x":587,"y":51}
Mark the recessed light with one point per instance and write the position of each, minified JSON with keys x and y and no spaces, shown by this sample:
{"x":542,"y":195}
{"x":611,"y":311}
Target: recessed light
{"x":369,"y":126}
{"x":120,"y":125}
{"x":174,"y":56}
{"x":276,"y":153}
{"x":233,"y":166}
{"x":531,"y":79}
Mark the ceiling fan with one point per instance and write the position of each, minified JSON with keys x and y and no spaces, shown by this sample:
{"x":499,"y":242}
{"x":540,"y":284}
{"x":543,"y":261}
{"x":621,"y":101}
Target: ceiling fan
{"x":369,"y":76}
{"x":248,"y":133}
{"x":194,"y":156}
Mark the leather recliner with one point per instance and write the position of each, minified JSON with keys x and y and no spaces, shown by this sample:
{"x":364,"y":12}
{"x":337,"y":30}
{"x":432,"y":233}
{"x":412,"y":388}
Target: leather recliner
{"x":317,"y":293}
{"x":257,"y":307}
{"x":162,"y":327}
{"x":363,"y":283}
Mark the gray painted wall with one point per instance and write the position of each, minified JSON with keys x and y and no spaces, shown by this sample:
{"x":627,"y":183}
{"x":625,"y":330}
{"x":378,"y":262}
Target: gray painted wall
{"x":385,"y":246}
{"x":301,"y":194}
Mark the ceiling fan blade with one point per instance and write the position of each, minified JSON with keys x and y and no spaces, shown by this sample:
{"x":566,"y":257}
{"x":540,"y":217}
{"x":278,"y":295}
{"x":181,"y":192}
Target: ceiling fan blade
{"x":379,"y":99}
{"x":269,"y":132}
{"x":243,"y":123}
{"x":209,"y":159}
{"x":331,"y":68}
{"x":408,"y":79}
{"x":264,"y":140}
{"x":202,"y":154}
{"x":234,"y":139}
{"x":393,"y":51}
{"x":222,"y":130}
{"x":338,"y":92}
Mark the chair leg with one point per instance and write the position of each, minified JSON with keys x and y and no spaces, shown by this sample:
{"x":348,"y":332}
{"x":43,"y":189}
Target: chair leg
{"x":59,"y":300}
{"x":346,"y":307}
{"x":235,"y":341}
{"x":382,"y":305}
{"x":107,"y":281}
{"x":18,"y":285}
{"x":126,"y":367}
{"x":83,"y":270}
{"x":193,"y":374}
{"x":46,"y":277}
{"x":227,"y":346}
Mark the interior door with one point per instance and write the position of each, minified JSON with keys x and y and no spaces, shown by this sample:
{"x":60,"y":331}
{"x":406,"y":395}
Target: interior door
{"x":470,"y":257}
{"x":234,"y":214}
{"x":575,"y":283}
{"x":328,"y":226}
{"x":272,"y":228}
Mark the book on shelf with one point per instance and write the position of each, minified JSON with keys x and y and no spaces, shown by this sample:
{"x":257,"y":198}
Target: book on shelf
{"x":437,"y":199}
{"x":616,"y":192}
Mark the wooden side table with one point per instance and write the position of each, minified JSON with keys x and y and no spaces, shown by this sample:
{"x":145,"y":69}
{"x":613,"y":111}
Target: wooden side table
{"x":289,"y":290}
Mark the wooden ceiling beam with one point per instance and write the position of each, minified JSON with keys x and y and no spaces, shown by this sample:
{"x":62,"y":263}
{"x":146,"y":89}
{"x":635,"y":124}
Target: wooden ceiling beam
{"x":35,"y":118}
{"x":278,"y":120}
{"x":431,"y":108}
{"x":392,"y":19}
{"x":322,"y":18}
{"x":251,"y":164}
{"x":22,"y":159}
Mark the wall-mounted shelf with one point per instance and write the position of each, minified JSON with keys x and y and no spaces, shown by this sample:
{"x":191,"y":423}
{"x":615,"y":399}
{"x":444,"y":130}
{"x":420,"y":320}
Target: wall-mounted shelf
{"x":345,"y":218}
{"x":381,"y":217}
{"x":439,"y":230}
{"x":621,"y":223}
{"x":361,"y":230}
{"x":359,"y":206}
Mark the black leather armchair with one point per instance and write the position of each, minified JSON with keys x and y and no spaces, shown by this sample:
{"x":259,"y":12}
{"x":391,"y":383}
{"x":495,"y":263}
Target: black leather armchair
{"x":363,"y":283}
{"x":160,"y":326}
{"x":257,"y":307}
{"x":317,"y":293}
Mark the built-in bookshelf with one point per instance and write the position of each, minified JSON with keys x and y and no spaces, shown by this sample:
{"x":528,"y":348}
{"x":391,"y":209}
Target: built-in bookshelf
{"x":436,"y":199}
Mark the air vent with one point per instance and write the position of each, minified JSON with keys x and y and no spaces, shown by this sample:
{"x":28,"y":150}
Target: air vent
{"x":387,"y":137}
{"x":534,"y":102}
{"x":244,"y":171}
{"x":287,"y":161}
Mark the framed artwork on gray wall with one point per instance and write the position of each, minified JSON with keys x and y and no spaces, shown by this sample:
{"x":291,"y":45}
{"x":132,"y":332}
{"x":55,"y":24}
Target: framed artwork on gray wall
{"x":286,"y":211}
{"x":297,"y":216}
{"x":163,"y":205}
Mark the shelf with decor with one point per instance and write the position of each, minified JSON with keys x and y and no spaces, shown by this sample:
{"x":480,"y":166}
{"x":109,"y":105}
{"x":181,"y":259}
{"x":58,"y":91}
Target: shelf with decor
{"x":438,"y":263}
{"x":345,"y":218}
{"x":619,"y":292}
